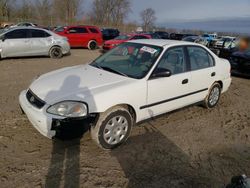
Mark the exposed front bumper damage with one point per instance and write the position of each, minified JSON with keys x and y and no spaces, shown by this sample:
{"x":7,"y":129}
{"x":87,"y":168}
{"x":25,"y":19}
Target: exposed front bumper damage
{"x":52,"y":126}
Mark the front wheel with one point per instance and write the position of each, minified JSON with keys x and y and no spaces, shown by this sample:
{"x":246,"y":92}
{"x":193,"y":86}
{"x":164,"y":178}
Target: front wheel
{"x":112,"y":128}
{"x":214,"y":96}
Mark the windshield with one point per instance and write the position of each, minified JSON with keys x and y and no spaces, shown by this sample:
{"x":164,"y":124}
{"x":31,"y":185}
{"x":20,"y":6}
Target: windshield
{"x":122,"y":37}
{"x":129,"y":59}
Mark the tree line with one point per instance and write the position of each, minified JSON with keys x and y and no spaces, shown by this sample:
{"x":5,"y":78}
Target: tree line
{"x":65,"y":12}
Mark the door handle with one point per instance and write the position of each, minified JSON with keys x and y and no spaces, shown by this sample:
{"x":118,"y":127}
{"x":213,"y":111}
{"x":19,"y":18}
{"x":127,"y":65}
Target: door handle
{"x":213,"y":74}
{"x":185,"y":81}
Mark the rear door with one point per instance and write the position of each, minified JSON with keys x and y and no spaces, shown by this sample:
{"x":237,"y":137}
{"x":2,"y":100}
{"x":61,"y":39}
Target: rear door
{"x":16,"y":43}
{"x":203,"y":72}
{"x":40,"y":42}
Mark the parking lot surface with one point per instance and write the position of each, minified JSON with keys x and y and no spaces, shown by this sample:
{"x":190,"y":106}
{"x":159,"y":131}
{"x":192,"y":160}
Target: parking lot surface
{"x":192,"y":147}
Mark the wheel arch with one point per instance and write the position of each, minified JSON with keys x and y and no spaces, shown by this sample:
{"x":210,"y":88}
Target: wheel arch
{"x":91,"y":40}
{"x":56,"y":45}
{"x":220,"y":82}
{"x":129,"y":107}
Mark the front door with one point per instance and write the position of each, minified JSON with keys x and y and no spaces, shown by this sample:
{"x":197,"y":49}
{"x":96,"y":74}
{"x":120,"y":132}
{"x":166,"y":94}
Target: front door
{"x":16,"y":43}
{"x":169,"y":93}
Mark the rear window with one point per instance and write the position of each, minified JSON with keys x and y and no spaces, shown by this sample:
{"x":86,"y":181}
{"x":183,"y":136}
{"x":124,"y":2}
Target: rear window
{"x":93,"y":30}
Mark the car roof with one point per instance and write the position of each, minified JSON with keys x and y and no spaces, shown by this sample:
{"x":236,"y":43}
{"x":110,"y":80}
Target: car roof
{"x":81,"y":26}
{"x":162,"y":42}
{"x":23,"y":27}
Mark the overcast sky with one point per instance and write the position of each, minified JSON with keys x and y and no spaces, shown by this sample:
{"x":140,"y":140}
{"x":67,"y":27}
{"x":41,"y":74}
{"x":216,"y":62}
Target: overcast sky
{"x":182,"y":10}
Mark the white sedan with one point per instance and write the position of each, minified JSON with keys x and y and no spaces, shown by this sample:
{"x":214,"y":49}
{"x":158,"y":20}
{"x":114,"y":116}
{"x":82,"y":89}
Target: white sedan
{"x":133,"y":82}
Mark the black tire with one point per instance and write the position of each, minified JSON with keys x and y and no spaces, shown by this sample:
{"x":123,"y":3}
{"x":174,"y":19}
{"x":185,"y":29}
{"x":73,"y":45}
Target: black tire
{"x":101,"y":128}
{"x":214,"y":96}
{"x":92,"y":45}
{"x":55,"y":52}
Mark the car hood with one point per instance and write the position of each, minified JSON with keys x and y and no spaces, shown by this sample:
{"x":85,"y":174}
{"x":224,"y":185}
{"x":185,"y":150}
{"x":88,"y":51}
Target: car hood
{"x":77,"y":81}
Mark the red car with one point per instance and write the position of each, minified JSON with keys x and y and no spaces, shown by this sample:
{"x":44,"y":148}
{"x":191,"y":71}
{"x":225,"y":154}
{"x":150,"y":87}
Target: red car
{"x":110,"y":44}
{"x":82,"y":36}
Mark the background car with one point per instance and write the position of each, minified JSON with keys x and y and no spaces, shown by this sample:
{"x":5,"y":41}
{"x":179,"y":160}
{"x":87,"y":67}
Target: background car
{"x":110,"y":44}
{"x":24,"y":24}
{"x":152,"y":35}
{"x":27,"y":41}
{"x":224,"y":46}
{"x":109,"y":33}
{"x":240,"y":62}
{"x":82,"y":36}
{"x":196,"y":39}
{"x":162,"y":34}
{"x":224,"y":42}
{"x":179,"y":36}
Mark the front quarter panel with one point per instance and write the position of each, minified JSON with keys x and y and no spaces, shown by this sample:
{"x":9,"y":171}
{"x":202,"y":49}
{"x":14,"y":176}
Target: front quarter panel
{"x":101,"y":99}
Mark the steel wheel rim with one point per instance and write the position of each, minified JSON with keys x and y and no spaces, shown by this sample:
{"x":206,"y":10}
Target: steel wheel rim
{"x":115,"y":130}
{"x":214,"y":96}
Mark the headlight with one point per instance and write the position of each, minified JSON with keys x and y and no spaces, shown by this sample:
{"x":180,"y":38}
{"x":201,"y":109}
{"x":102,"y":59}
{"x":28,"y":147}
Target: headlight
{"x":69,"y":109}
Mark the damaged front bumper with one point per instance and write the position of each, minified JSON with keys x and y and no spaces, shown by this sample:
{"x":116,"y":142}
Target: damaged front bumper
{"x":52,"y":126}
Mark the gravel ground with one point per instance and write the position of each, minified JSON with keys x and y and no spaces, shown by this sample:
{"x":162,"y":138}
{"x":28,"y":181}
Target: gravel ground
{"x":192,"y":147}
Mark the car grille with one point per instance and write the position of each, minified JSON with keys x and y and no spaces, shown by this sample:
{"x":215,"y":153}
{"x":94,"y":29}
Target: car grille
{"x":34,"y":100}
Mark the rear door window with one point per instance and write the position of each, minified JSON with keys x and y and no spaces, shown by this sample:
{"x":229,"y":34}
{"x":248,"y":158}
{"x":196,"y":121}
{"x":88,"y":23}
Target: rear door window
{"x":38,"y":34}
{"x":199,"y":58}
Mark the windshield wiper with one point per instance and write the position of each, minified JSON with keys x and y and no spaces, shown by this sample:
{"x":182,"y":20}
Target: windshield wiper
{"x":112,"y":70}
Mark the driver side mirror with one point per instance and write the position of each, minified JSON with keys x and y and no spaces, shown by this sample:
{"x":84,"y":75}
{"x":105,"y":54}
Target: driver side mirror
{"x":160,"y":73}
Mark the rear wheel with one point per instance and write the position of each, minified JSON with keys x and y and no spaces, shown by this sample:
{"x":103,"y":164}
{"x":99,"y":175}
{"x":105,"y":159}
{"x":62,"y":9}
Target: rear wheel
{"x":92,"y":45}
{"x":112,"y":128}
{"x":55,"y":52}
{"x":214,"y":96}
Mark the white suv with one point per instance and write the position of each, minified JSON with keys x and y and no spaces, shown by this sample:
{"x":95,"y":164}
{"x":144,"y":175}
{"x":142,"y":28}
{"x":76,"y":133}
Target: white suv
{"x":135,"y":81}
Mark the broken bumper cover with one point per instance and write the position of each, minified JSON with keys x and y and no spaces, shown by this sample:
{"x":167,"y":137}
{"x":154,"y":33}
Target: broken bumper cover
{"x":52,"y":126}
